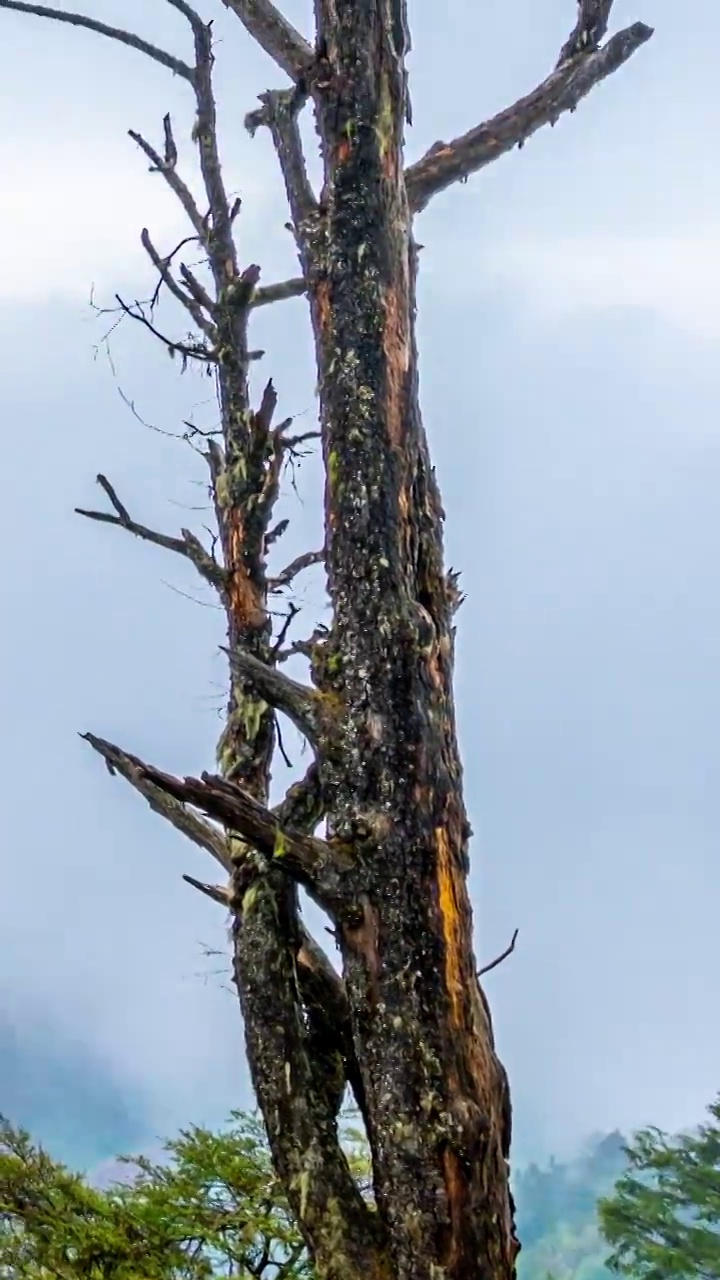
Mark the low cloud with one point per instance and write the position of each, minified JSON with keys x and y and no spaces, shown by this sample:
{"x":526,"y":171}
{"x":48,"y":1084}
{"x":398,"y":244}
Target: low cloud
{"x":60,"y":246}
{"x":71,"y":217}
{"x":677,"y":277}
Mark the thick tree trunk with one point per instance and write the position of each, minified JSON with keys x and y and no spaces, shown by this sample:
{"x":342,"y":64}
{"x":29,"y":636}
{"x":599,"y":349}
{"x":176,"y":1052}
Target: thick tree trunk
{"x":407,"y":1026}
{"x":436,"y":1096}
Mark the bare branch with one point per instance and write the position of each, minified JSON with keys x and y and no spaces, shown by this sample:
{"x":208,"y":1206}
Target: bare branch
{"x":187,"y":350}
{"x":198,"y":290}
{"x":188,"y":545}
{"x":291,"y":442}
{"x":188,"y":12}
{"x":176,"y":65}
{"x":303,"y":805}
{"x":167,"y":168}
{"x":274,"y":535}
{"x":591,"y":26}
{"x":299,"y":703}
{"x":499,"y":959}
{"x":171,"y":151}
{"x":301,"y":808}
{"x":295,"y":567}
{"x":319,"y":865}
{"x":275,"y":35}
{"x":218,"y":892}
{"x":294,"y":288}
{"x":204,"y":834}
{"x":279,"y":113}
{"x":189,"y":302}
{"x":287,"y":622}
{"x":223,"y":256}
{"x":454,"y":161}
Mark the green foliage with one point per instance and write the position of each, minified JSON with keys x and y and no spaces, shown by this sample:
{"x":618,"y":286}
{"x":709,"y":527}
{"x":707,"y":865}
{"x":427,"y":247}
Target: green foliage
{"x":663,"y":1220}
{"x":212,"y":1207}
{"x":52,"y":1223}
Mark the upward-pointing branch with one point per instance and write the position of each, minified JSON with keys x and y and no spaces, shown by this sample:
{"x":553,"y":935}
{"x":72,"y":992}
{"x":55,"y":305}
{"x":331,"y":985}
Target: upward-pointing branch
{"x":204,"y":834}
{"x":166,"y":166}
{"x":592,"y":24}
{"x":279,"y":113}
{"x":272,"y":31}
{"x":165,"y":59}
{"x":564,"y":88}
{"x":319,"y":865}
{"x":300,"y":704}
{"x":188,"y":545}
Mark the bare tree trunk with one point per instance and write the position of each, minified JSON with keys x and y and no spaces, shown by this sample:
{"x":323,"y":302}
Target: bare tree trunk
{"x":407,"y":1026}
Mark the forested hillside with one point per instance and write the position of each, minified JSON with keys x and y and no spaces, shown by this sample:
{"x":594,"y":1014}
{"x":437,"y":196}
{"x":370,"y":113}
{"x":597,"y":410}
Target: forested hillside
{"x":557,"y":1213}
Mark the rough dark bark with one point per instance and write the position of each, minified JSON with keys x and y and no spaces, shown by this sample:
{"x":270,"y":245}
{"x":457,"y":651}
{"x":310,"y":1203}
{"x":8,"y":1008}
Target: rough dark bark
{"x":407,"y":1025}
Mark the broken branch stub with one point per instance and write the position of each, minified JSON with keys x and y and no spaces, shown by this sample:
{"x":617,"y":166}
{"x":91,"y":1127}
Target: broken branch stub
{"x":407,"y":1025}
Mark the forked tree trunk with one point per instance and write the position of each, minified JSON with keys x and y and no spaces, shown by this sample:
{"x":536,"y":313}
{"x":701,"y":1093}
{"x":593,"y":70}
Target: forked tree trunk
{"x":407,"y":1026}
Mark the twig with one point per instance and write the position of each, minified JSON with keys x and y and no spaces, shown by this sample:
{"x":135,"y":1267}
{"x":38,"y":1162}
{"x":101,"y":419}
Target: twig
{"x":275,"y":534}
{"x":188,"y":350}
{"x":217,"y":892}
{"x":274,"y":34}
{"x":175,"y":183}
{"x":288,"y":620}
{"x":188,"y":545}
{"x":166,"y":261}
{"x":281,"y":745}
{"x":295,"y":567}
{"x":499,"y":959}
{"x":174,"y":64}
{"x":198,"y":290}
{"x":166,"y":277}
{"x":291,"y":442}
{"x":454,"y":161}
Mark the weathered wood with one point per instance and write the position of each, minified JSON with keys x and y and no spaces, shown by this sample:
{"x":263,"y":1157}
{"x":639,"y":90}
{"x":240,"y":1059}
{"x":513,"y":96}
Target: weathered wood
{"x":407,"y":1025}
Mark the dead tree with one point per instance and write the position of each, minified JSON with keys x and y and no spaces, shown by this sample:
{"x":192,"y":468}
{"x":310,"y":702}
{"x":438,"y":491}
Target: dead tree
{"x":406,"y":1026}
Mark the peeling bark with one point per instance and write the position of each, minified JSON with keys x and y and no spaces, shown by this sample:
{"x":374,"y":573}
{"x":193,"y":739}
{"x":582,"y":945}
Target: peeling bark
{"x":406,"y":1026}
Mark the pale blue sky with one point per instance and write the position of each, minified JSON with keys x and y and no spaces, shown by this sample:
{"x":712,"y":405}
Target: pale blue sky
{"x":570,"y":335}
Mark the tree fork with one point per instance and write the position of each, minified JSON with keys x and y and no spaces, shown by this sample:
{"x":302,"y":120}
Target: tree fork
{"x":408,"y":1025}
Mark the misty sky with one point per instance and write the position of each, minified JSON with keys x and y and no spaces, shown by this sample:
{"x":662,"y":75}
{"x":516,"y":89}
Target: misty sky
{"x":570,"y":334}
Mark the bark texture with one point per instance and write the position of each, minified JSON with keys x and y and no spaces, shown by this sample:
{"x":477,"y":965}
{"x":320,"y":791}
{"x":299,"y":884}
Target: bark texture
{"x":407,"y":1025}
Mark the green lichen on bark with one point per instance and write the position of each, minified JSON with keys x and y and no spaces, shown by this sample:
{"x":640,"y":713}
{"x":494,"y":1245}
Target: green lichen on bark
{"x":407,"y":1026}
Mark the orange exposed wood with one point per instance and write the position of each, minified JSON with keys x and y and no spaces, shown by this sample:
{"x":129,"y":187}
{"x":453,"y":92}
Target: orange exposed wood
{"x":397,"y":355}
{"x":322,"y":304}
{"x":452,"y":923}
{"x":245,"y":601}
{"x":455,"y":1187}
